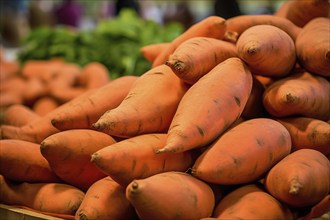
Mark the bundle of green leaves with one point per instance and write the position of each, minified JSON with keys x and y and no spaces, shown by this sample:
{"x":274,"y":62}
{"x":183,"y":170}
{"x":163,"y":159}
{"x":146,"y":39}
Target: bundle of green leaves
{"x":114,"y":42}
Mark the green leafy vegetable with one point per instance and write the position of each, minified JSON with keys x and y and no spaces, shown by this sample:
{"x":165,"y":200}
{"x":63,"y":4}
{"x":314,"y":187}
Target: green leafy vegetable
{"x":114,"y":42}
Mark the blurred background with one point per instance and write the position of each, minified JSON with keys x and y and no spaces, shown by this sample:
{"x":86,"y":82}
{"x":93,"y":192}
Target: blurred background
{"x":107,"y":31}
{"x":18,"y":17}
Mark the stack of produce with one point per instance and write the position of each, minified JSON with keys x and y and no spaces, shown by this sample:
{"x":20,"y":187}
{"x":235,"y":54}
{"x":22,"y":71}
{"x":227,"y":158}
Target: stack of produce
{"x":230,"y":122}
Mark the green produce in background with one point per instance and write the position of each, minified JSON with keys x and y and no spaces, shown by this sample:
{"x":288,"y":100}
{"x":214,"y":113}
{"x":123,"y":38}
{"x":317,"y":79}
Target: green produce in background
{"x":114,"y":42}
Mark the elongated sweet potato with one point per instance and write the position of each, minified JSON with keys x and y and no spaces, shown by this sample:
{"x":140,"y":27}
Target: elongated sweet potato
{"x":218,"y":99}
{"x":151,"y":51}
{"x":57,"y":198}
{"x":19,"y":115}
{"x":302,"y":94}
{"x":239,"y":24}
{"x":69,"y":153}
{"x":135,"y":158}
{"x":312,"y":46}
{"x":105,"y":199}
{"x":244,"y":153}
{"x":211,"y":26}
{"x":185,"y":197}
{"x":251,"y":201}
{"x":22,"y":161}
{"x":197,"y":56}
{"x":308,"y":133}
{"x":83,"y":114}
{"x":301,"y":179}
{"x":300,"y":12}
{"x":142,"y":110}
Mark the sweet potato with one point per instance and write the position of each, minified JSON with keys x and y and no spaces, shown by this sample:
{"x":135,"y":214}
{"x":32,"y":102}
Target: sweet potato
{"x":318,"y":209}
{"x":142,"y":110}
{"x":151,"y":51}
{"x":303,"y":94}
{"x":84,"y":113}
{"x":19,"y":115}
{"x":308,"y":133}
{"x":251,"y":201}
{"x":135,"y":158}
{"x":244,"y":153}
{"x":22,"y":161}
{"x":211,"y":26}
{"x":239,"y":24}
{"x":301,"y":179}
{"x":38,"y":130}
{"x":69,"y":152}
{"x":254,"y":107}
{"x":11,"y":91}
{"x":268,"y":50}
{"x":44,"y":105}
{"x":57,"y":198}
{"x":300,"y":12}
{"x":197,"y":56}
{"x":45,"y":70}
{"x":94,"y":75}
{"x":185,"y":197}
{"x":313,"y":46}
{"x":34,"y":89}
{"x":105,"y":199}
{"x":8,"y":69}
{"x":218,"y":99}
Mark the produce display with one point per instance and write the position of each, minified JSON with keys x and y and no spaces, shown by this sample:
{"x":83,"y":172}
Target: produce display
{"x":114,"y":42}
{"x":231,"y":120}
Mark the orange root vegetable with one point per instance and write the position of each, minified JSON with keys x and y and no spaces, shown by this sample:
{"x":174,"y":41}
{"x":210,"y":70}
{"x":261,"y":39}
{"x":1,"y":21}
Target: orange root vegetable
{"x":254,"y":107}
{"x":56,"y":198}
{"x":210,"y":106}
{"x":313,"y":46}
{"x":88,"y":110}
{"x":22,"y":161}
{"x":69,"y":153}
{"x":301,"y":12}
{"x":197,"y":56}
{"x":268,"y":50}
{"x":151,"y":51}
{"x":301,"y":179}
{"x":19,"y":115}
{"x":185,"y":197}
{"x":239,"y":24}
{"x":105,"y":199}
{"x":42,"y":69}
{"x":301,"y":94}
{"x":44,"y":105}
{"x":8,"y":69}
{"x":135,"y":158}
{"x":94,"y":75}
{"x":11,"y":91}
{"x":212,"y":26}
{"x":34,"y":89}
{"x":308,"y":133}
{"x":148,"y":107}
{"x":37,"y":130}
{"x":251,"y":201}
{"x":244,"y":153}
{"x":318,"y":210}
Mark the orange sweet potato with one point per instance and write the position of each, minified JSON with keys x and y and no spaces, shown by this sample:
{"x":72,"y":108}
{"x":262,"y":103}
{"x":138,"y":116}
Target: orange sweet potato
{"x":68,"y":153}
{"x":301,"y":179}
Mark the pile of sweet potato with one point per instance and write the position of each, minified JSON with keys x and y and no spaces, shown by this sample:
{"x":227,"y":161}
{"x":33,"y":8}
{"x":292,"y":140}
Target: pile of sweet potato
{"x":231,"y":122}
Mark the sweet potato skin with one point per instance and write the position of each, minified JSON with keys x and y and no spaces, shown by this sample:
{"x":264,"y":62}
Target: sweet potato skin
{"x":244,"y":153}
{"x":293,"y":180}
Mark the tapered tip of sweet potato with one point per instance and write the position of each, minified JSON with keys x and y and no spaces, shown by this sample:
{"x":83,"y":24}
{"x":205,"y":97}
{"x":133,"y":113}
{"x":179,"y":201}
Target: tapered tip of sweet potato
{"x":175,"y":65}
{"x":94,"y":158}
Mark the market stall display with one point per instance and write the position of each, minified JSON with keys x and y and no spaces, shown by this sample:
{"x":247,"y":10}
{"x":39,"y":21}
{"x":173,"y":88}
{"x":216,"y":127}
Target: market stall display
{"x":159,"y":147}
